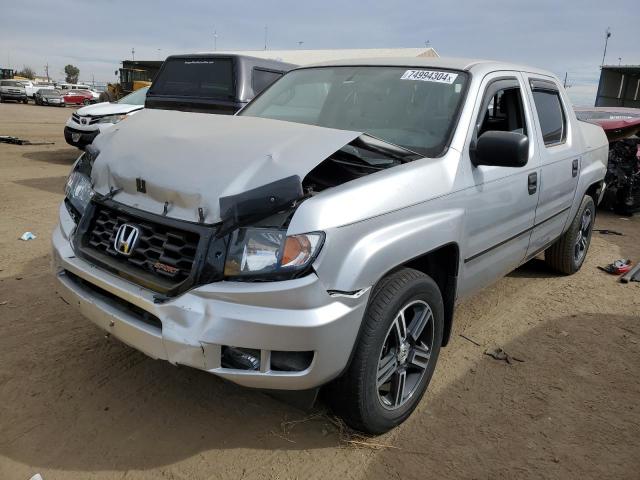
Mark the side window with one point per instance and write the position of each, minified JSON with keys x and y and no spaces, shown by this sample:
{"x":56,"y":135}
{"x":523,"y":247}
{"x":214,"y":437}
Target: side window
{"x":262,"y":79}
{"x":550,"y":115}
{"x":503,"y":110}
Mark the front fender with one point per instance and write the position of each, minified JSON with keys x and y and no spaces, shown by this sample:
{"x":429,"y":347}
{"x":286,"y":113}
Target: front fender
{"x":356,"y":256}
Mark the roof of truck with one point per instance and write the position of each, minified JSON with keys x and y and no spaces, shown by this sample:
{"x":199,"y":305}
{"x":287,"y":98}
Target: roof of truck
{"x":242,"y":58}
{"x":452,"y":63}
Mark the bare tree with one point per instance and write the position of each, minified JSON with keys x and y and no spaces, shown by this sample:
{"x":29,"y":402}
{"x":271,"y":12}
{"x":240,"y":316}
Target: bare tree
{"x":27,"y":72}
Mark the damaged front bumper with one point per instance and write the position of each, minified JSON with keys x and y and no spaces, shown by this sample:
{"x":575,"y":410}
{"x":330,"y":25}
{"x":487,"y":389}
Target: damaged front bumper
{"x":271,"y":320}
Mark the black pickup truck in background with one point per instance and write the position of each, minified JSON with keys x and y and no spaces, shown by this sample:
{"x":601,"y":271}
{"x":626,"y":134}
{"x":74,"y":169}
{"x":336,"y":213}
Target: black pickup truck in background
{"x":212,"y":83}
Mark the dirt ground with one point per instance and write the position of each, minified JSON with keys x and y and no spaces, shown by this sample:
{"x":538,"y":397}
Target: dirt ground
{"x":76,"y":406}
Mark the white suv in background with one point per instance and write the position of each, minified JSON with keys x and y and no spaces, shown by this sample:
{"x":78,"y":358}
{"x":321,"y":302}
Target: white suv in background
{"x":12,"y":90}
{"x":87,"y":122}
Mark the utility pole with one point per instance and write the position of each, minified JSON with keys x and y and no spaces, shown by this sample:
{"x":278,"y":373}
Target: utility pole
{"x":619,"y":60}
{"x":133,"y":54}
{"x":159,"y":53}
{"x":266,"y":33}
{"x":215,"y":39}
{"x":607,"y":34}
{"x":46,"y":71}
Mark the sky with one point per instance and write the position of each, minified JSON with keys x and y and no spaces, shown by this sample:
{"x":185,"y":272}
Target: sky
{"x":563,"y":36}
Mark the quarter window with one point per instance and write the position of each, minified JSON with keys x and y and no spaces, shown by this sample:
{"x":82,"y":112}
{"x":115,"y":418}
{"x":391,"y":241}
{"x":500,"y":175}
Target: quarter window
{"x":551,"y":116}
{"x":262,"y":79}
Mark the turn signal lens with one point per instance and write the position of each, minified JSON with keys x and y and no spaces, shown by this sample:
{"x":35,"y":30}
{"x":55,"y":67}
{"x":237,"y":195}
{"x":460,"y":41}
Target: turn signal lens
{"x":298,"y":249}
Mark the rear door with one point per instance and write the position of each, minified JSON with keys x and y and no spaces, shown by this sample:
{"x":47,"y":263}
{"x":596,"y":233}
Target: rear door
{"x":559,"y":160}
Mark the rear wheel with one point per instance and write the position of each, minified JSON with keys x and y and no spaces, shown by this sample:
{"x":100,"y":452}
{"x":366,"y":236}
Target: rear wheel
{"x":395,"y":356}
{"x":86,"y":101}
{"x":25,"y":101}
{"x":568,"y":253}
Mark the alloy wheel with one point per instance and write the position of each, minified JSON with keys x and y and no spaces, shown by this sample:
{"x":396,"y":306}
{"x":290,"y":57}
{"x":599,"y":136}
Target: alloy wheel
{"x":405,"y":354}
{"x":580,"y":246}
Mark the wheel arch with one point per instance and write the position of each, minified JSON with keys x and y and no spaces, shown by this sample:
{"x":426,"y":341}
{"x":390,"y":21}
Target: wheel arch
{"x":442,"y":265}
{"x":595,"y":191}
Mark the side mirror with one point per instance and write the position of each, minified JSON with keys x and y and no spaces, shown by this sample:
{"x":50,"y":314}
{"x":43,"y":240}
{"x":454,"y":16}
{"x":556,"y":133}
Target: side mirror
{"x":501,"y":149}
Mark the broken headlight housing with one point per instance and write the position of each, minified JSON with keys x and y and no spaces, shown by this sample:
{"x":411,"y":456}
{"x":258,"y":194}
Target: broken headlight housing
{"x":268,"y":253}
{"x":79,"y":190}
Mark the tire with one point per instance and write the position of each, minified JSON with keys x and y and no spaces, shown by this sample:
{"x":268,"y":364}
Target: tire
{"x":358,"y":397}
{"x":567,"y":254}
{"x":25,"y":101}
{"x":1,"y":99}
{"x":86,"y":101}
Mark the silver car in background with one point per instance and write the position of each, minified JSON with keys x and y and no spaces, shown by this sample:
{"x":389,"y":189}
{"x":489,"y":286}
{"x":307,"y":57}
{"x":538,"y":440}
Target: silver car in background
{"x":324,"y":234}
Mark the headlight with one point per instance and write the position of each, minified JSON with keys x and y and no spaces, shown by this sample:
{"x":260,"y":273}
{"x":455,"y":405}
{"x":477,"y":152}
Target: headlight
{"x":270,"y":253}
{"x":112,"y":119}
{"x":79,"y":191}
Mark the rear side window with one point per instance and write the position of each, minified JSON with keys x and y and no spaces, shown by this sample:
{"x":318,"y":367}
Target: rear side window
{"x":262,"y":79}
{"x":551,"y":116}
{"x":195,"y":77}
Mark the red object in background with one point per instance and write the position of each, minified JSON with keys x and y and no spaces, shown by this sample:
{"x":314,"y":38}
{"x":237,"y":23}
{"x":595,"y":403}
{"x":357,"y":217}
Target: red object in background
{"x":78,"y":96}
{"x":617,"y":122}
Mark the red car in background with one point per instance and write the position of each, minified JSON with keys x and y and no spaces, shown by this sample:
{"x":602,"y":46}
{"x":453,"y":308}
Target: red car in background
{"x":83,"y":97}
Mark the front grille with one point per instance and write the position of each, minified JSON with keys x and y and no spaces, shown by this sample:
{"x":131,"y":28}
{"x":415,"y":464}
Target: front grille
{"x":92,"y":120}
{"x":164,"y":251}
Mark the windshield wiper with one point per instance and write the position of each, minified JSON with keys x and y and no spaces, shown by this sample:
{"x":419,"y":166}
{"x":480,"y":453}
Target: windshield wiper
{"x":375,"y":144}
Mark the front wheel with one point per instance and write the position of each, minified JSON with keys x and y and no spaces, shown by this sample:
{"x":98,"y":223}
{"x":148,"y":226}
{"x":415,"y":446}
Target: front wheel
{"x":395,"y":356}
{"x":567,"y":254}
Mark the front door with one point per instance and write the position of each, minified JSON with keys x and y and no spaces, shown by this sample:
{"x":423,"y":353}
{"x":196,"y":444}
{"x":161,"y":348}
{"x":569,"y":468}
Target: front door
{"x":501,"y":203}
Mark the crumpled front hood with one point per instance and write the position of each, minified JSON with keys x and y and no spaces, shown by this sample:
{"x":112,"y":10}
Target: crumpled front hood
{"x":190,"y":160}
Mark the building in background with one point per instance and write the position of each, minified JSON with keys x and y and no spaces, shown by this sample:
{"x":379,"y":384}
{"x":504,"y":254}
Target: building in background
{"x":619,"y":86}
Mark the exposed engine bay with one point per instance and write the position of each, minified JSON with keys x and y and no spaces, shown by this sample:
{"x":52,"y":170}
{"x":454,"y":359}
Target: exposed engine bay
{"x":623,"y":177}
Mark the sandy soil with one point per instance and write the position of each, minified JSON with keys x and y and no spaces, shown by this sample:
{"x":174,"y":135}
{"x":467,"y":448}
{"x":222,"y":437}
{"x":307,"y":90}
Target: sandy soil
{"x":76,"y":406}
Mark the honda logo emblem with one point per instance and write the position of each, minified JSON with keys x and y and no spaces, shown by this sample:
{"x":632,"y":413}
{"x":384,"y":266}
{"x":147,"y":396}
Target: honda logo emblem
{"x":126,"y":239}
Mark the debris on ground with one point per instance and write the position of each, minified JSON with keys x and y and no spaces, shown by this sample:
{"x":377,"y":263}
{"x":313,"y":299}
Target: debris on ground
{"x":618,"y":267}
{"x":28,"y":236}
{"x":21,"y":141}
{"x":633,"y":275}
{"x":499,"y":354}
{"x":470,"y":340}
{"x":606,"y":231}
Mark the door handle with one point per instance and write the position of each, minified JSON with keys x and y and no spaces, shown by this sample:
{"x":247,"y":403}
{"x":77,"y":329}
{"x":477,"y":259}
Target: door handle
{"x":574,"y":167}
{"x":533,"y":183}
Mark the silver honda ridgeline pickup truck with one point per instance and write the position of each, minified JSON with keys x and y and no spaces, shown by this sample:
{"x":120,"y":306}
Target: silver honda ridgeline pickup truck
{"x":324,"y":234}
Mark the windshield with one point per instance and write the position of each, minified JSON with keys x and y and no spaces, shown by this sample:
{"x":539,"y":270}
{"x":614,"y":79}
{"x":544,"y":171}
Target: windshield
{"x":136,"y":98}
{"x":195,"y":77}
{"x":412,"y":108}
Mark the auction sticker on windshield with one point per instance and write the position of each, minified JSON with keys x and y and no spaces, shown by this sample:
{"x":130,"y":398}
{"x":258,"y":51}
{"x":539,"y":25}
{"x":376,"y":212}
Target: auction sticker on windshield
{"x":429,"y":76}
